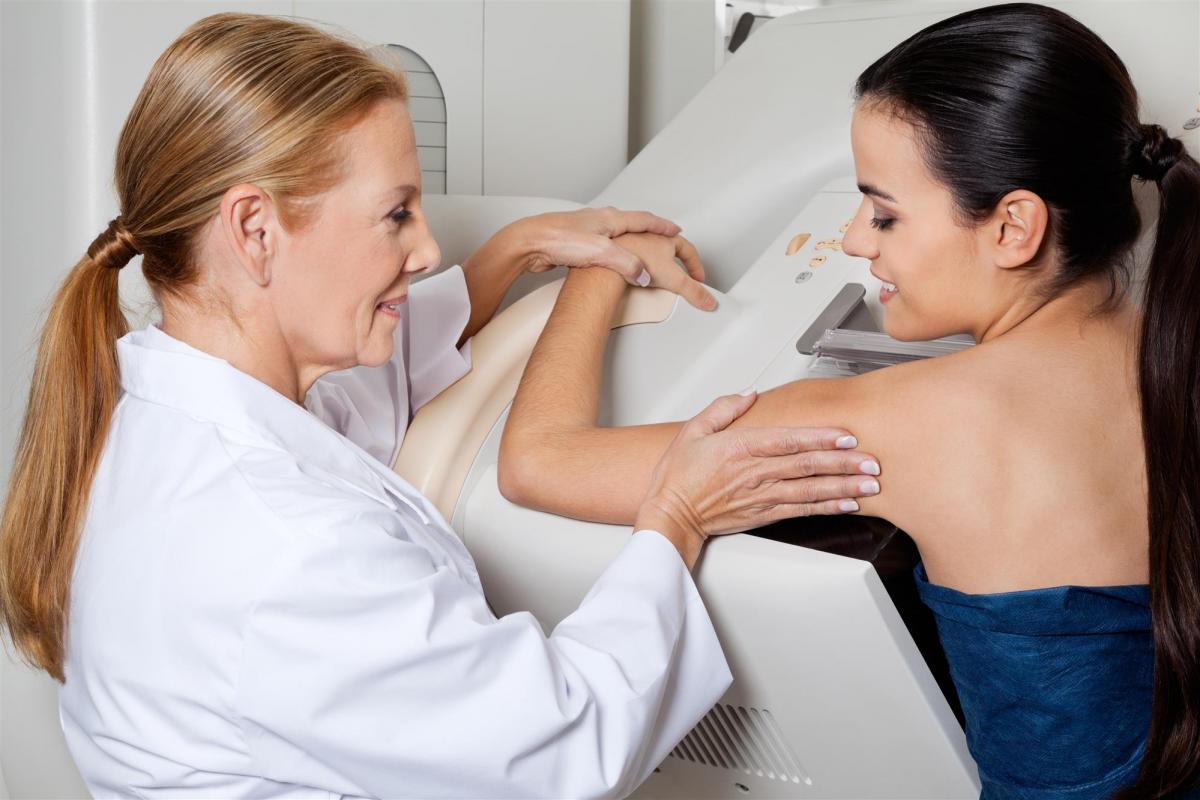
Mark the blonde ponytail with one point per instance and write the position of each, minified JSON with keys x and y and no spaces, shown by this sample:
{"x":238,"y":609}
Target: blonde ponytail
{"x":75,"y":388}
{"x":237,"y":98}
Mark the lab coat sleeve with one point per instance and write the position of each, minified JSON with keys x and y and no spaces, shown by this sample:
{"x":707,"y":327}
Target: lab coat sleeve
{"x":439,"y":308}
{"x":368,"y":671}
{"x":372,"y":406}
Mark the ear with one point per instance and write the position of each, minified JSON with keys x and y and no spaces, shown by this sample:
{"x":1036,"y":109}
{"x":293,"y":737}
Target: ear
{"x":249,"y":227}
{"x":1017,"y":228}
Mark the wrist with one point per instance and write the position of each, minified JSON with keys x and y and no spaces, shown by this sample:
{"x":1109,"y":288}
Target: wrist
{"x":527,"y":240}
{"x":687,"y":538}
{"x":506,"y":255}
{"x":598,"y":281}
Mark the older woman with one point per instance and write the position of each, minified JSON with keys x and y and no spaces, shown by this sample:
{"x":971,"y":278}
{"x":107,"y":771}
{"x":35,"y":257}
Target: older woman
{"x":203,"y":540}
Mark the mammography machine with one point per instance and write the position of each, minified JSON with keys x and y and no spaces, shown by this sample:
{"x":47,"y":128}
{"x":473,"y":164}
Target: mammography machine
{"x":840,"y":688}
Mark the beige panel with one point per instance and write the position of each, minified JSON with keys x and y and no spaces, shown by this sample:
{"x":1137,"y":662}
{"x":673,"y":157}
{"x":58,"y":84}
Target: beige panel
{"x":446,"y":434}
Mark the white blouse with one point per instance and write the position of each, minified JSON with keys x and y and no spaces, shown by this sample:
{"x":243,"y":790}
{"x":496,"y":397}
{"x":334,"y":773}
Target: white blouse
{"x":261,"y":608}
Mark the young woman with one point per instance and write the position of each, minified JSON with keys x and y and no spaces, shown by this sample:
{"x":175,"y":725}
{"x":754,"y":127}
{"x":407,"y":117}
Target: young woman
{"x":203,"y":539}
{"x":1047,"y":474}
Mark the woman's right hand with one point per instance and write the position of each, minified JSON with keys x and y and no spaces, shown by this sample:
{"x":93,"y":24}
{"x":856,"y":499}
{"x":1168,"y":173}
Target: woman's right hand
{"x":713,"y":481}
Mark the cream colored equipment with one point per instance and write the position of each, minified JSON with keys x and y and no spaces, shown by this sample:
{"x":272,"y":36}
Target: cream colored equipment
{"x":832,"y":695}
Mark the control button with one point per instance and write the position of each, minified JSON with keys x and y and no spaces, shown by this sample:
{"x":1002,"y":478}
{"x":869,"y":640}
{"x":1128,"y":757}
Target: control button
{"x":803,"y":276}
{"x":829,"y":244}
{"x":817,"y":261}
{"x":796,"y":243}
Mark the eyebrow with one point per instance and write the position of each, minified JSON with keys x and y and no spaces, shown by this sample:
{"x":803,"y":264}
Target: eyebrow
{"x":867,"y":188}
{"x":399,"y":191}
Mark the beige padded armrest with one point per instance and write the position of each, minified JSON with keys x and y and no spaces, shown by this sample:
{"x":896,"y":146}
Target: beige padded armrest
{"x":447,"y":433}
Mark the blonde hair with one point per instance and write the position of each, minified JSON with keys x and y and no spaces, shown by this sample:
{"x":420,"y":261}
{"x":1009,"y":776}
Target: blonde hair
{"x":237,"y":98}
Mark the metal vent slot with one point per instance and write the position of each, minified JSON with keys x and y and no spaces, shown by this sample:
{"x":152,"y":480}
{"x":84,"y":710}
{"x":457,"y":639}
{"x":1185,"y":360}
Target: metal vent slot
{"x":427,"y":106}
{"x":742,"y":739}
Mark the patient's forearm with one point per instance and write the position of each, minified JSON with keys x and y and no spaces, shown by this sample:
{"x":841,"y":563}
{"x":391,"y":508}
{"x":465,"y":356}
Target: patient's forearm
{"x":561,"y":385}
{"x":595,"y":474}
{"x":553,"y":457}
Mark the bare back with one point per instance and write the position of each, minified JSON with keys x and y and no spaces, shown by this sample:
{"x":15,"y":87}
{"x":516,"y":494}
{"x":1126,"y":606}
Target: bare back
{"x":1016,"y":464}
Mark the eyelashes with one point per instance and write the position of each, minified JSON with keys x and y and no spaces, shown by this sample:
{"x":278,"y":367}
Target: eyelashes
{"x":882,"y":223}
{"x":400,"y":216}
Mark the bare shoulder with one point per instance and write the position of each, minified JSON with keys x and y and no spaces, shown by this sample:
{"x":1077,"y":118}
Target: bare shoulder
{"x":942,"y":428}
{"x":922,"y":400}
{"x":927,"y":420}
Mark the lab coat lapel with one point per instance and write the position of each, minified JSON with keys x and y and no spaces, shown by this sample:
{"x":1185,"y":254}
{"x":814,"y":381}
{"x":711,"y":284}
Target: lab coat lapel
{"x":160,"y":369}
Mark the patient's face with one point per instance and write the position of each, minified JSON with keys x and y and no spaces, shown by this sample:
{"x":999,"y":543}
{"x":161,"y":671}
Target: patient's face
{"x":908,"y":228}
{"x":367,"y":239}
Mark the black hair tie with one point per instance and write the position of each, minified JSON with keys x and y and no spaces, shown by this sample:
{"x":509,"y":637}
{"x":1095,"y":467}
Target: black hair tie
{"x":1155,"y":154}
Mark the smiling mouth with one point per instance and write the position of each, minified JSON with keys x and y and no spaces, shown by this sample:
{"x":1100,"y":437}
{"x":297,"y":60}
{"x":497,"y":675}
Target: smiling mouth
{"x":392,"y":308}
{"x":890,"y":288}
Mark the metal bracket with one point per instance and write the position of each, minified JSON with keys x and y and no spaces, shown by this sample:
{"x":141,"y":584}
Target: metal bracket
{"x":846,"y":310}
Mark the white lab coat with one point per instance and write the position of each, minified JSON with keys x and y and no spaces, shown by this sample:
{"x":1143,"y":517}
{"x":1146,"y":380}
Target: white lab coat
{"x":261,"y":608}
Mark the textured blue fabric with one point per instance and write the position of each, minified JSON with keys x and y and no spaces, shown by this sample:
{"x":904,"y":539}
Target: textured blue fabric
{"x":1055,"y":685}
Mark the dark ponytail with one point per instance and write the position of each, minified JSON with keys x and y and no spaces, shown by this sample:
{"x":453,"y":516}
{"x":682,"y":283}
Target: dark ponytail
{"x":987,"y":92}
{"x":1169,"y":374}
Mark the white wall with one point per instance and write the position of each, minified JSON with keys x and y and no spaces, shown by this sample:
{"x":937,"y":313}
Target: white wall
{"x":69,"y":73}
{"x":672,"y":55}
{"x":577,"y":53}
{"x":675,"y":48}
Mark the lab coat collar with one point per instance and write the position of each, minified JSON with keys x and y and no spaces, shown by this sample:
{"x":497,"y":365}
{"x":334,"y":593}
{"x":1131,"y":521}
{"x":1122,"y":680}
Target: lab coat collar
{"x":158,"y":368}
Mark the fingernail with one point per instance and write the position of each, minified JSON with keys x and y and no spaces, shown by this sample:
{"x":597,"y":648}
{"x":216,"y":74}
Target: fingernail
{"x":869,"y":487}
{"x":643,"y":278}
{"x":847,"y":505}
{"x":847,"y":443}
{"x":712,"y":303}
{"x":749,"y":390}
{"x":869,"y":467}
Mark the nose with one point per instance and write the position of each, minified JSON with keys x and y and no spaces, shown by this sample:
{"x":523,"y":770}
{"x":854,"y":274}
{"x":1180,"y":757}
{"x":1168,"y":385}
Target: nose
{"x":860,"y":239}
{"x":426,"y":256}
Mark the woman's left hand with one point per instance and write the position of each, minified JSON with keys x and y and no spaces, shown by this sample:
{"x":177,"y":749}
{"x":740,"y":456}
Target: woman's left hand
{"x":581,"y":238}
{"x":584,"y":238}
{"x":663,"y":256}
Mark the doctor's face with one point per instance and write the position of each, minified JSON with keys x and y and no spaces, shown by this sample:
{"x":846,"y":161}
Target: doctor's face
{"x":907,"y":225}
{"x":349,"y":270}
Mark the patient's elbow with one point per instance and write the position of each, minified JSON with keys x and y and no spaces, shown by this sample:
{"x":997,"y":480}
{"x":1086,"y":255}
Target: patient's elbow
{"x":517,"y":470}
{"x":509,"y":482}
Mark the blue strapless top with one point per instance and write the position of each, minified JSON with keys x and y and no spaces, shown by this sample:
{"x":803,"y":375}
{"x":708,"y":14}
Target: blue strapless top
{"x":1055,"y":685}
